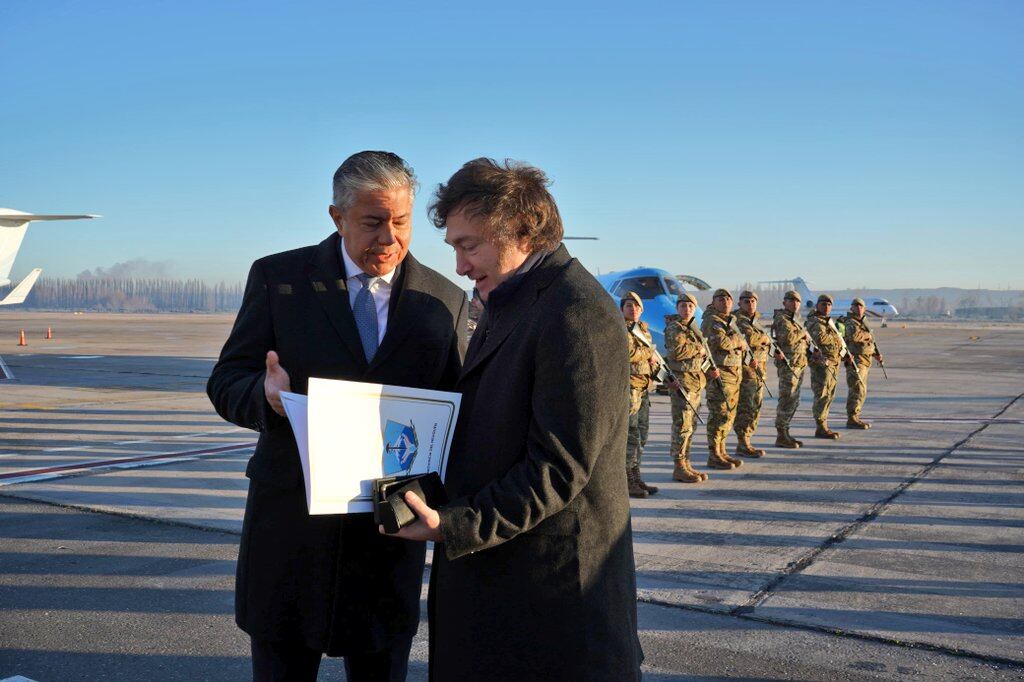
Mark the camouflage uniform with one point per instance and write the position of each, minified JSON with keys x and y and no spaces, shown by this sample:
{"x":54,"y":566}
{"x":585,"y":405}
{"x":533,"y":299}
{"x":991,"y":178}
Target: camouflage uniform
{"x":727,"y":348}
{"x":824,"y":371}
{"x":685,"y":355}
{"x":791,"y":338}
{"x":861,"y":343}
{"x":751,"y":387}
{"x":640,"y":381}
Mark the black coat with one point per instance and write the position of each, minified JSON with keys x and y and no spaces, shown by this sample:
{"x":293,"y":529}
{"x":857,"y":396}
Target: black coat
{"x":535,"y":578}
{"x":332,"y":580}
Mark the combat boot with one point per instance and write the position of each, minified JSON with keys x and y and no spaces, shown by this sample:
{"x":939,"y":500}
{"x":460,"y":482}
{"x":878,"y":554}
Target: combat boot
{"x":683,"y":472}
{"x":856,"y":423}
{"x":824,"y":432}
{"x":799,"y":443}
{"x":694,"y":472}
{"x":633,"y":480}
{"x":649,"y":488}
{"x":715,"y":459}
{"x":784,"y":440}
{"x":745,"y":449}
{"x":727,"y":457}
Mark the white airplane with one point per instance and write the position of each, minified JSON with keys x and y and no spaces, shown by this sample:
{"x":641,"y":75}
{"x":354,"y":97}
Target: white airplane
{"x":13,"y":225}
{"x":874,"y":305}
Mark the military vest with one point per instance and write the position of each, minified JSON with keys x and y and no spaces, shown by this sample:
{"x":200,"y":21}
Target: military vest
{"x":757,"y":340}
{"x":790,"y":336}
{"x":684,"y":345}
{"x":826,"y":338}
{"x":859,"y":338}
{"x":639,"y":357}
{"x":727,"y":345}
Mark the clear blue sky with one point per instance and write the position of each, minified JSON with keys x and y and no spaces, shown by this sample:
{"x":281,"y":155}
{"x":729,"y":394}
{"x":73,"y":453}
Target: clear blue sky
{"x":853,"y":143}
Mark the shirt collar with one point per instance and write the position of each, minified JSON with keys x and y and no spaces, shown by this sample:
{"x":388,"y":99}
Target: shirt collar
{"x":352,"y":270}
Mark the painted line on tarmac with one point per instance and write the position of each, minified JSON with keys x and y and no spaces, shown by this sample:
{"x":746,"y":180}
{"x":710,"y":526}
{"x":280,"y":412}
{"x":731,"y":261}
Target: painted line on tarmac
{"x":747,"y":610}
{"x":867,"y":517}
{"x":13,"y":477}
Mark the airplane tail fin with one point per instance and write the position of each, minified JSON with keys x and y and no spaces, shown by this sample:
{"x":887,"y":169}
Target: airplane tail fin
{"x":798,"y":283}
{"x":10,"y":241}
{"x":20,"y":292}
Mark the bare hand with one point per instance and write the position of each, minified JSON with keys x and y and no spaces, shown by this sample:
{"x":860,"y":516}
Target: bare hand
{"x":779,"y":355}
{"x":275,"y":381}
{"x":426,"y":527}
{"x":714,"y":373}
{"x":675,"y":385}
{"x":753,"y":364}
{"x":879,"y":358}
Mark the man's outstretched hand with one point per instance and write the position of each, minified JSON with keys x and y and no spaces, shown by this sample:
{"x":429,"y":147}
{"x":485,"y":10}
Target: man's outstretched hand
{"x":426,"y":527}
{"x":275,"y":381}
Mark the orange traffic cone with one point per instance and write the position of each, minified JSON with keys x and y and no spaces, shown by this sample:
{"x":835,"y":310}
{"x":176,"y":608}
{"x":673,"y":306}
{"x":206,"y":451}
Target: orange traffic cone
{"x":49,"y":332}
{"x":21,"y":338}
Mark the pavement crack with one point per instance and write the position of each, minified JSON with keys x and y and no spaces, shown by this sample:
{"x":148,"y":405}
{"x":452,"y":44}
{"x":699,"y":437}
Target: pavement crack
{"x":868,"y":516}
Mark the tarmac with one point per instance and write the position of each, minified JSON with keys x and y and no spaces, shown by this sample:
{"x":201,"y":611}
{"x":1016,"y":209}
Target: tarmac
{"x":894,"y":553}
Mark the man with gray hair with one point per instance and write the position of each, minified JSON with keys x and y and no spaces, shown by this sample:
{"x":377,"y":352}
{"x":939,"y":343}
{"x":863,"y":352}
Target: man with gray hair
{"x":357,"y":307}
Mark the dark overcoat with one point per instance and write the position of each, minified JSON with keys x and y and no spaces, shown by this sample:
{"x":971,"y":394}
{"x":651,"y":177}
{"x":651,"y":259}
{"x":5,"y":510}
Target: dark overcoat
{"x":332,"y":580}
{"x":535,"y":578}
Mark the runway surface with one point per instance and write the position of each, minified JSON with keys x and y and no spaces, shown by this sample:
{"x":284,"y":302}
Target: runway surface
{"x":891,"y":554}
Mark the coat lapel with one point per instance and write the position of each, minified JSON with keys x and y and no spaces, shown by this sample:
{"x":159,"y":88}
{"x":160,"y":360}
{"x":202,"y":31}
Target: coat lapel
{"x":327,"y":270}
{"x":512,"y":312}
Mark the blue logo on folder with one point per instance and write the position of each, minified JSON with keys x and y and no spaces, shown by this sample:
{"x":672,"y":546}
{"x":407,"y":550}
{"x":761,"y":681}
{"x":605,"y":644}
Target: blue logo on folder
{"x":400,"y":445}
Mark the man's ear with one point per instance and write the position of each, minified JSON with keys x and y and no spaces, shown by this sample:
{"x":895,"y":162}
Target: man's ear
{"x":335,"y":214}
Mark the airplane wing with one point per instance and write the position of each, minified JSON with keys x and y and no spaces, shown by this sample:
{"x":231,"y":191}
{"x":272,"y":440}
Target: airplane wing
{"x":6,"y":216}
{"x":20,"y":292}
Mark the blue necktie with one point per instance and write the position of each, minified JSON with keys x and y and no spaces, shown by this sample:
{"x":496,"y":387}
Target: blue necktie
{"x":365,"y":312}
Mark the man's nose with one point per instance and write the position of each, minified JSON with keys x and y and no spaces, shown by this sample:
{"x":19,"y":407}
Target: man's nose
{"x":387,"y":236}
{"x":461,"y":265}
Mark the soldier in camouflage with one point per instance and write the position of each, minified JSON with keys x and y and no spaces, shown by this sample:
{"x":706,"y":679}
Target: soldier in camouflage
{"x":861,"y":343}
{"x":825,"y":368}
{"x":751,"y":386}
{"x":641,"y":378}
{"x":723,"y":390}
{"x":686,"y":357}
{"x":790,"y":363}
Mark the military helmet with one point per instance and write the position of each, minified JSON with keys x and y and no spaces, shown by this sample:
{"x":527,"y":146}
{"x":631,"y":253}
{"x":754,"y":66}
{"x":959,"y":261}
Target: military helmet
{"x":792,"y":295}
{"x":825,"y":298}
{"x":631,"y":296}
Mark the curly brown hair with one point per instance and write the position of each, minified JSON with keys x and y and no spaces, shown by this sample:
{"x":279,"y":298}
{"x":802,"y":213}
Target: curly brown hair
{"x":511,"y":196}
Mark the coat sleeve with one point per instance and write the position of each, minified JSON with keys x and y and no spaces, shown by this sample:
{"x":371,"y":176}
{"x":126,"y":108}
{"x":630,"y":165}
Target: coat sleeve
{"x":235,"y":386}
{"x":578,"y":406}
{"x":457,"y":351}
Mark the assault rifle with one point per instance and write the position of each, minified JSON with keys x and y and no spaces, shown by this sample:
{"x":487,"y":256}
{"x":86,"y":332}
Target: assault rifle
{"x":748,"y":355}
{"x":664,"y":374}
{"x":846,"y":355}
{"x":878,"y":359}
{"x":774,"y":350}
{"x":714,"y":365}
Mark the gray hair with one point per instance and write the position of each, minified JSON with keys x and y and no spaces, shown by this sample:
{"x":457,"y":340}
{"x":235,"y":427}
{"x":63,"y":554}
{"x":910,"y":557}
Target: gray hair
{"x":373,"y":171}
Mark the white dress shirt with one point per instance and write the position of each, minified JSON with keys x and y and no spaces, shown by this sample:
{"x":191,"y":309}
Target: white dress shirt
{"x":381,"y":290}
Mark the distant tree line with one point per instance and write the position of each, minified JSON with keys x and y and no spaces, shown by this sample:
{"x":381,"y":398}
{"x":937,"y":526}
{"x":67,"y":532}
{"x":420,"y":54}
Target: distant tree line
{"x":134,"y":295}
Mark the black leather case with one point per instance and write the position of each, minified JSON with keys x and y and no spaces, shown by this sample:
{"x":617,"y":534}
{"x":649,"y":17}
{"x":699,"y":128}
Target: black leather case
{"x":389,"y":507}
